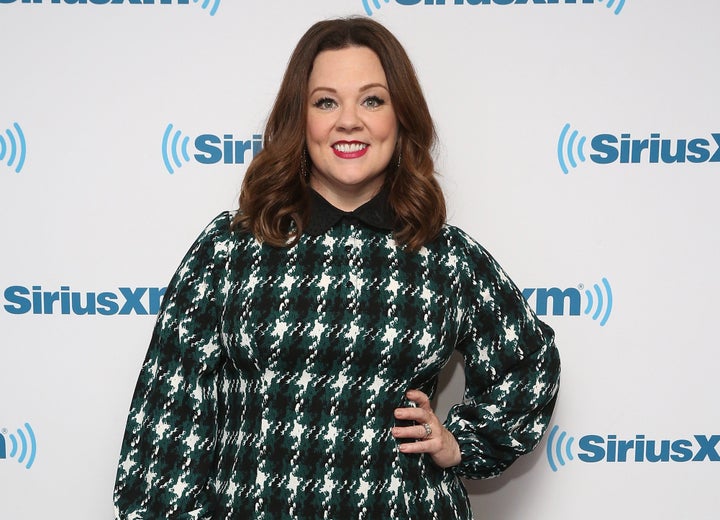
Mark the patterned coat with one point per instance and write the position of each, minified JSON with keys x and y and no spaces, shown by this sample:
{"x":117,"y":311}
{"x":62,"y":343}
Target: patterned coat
{"x":269,"y":386}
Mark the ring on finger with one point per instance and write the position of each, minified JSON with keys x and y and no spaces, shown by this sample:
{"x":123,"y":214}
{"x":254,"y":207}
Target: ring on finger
{"x":428,"y":430}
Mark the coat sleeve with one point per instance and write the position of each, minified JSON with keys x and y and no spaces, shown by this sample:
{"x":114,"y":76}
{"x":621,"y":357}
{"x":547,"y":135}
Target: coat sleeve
{"x":512,"y":370}
{"x":168,"y":448}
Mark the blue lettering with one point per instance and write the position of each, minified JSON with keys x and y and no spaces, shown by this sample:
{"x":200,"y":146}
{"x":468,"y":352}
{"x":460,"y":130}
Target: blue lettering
{"x":107,"y":305}
{"x":132,"y":300}
{"x":205,"y":144}
{"x":716,"y":155}
{"x":652,"y":456}
{"x":639,"y":447}
{"x":707,"y":448}
{"x":558,"y":296}
{"x":595,"y":448}
{"x":637,"y":148}
{"x":156,"y":296}
{"x":623,"y":448}
{"x":17,"y":304}
{"x":603,"y":144}
{"x":654,"y":147}
{"x":611,"y":448}
{"x":240,"y":148}
{"x":625,"y":147}
{"x":680,"y":151}
{"x":65,"y":300}
{"x":49,"y":298}
{"x":228,"y":149}
{"x":698,"y":151}
{"x":667,"y":151}
{"x":682,"y":450}
{"x":22,"y":300}
{"x":213,"y":149}
{"x":77,"y":306}
{"x":593,"y":445}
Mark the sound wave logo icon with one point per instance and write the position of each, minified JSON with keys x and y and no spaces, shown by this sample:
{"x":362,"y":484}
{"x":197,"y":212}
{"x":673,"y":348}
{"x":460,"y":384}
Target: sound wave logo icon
{"x":174,"y":145}
{"x":559,"y":448}
{"x":22,"y":445}
{"x":14,"y":147}
{"x":216,"y":3}
{"x":376,"y":3}
{"x":618,"y":6}
{"x":570,"y":148}
{"x":599,"y":303}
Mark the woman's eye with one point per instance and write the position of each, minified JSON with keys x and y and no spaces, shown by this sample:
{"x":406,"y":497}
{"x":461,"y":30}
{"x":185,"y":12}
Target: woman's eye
{"x":324,"y":103}
{"x":374,"y":102}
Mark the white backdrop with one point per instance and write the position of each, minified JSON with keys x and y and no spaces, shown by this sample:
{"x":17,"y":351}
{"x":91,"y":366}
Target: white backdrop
{"x":90,"y":212}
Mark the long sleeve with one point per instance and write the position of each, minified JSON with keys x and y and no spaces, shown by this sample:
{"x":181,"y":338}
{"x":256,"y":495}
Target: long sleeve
{"x":169,"y":443}
{"x":512,"y":370}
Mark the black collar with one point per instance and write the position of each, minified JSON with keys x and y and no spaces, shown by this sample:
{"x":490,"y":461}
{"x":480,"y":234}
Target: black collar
{"x":375,"y":213}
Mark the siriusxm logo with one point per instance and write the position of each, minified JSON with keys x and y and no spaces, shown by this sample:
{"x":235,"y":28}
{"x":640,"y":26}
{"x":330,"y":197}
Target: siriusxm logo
{"x":35,"y":300}
{"x":13,"y":147}
{"x":212,"y":5}
{"x":210,"y":148}
{"x":615,"y":5}
{"x":609,"y":148}
{"x":598,"y":301}
{"x":22,"y":445}
{"x":610,"y":448}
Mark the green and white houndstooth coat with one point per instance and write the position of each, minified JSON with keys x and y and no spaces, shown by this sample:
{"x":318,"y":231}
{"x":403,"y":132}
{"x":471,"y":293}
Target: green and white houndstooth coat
{"x":269,"y":386}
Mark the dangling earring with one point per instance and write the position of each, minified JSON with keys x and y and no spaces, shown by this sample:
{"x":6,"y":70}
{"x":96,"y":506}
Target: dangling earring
{"x":399,"y":160}
{"x":304,"y":171}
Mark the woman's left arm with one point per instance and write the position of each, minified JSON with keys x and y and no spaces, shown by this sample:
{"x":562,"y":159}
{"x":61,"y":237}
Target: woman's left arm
{"x":512,"y":372}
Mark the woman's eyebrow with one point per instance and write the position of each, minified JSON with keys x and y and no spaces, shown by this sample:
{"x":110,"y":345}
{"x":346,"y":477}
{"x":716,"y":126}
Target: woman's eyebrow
{"x":362,"y":89}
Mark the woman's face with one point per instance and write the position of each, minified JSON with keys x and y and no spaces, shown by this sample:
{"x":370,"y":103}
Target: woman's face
{"x":351,"y":126}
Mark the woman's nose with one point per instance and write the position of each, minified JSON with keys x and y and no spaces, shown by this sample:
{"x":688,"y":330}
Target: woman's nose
{"x":349,"y":119}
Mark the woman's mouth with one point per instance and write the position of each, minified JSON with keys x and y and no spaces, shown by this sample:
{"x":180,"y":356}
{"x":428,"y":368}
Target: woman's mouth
{"x":349,"y":150}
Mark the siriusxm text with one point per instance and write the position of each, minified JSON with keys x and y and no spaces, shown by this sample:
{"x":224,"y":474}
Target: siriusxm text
{"x":213,"y":149}
{"x":556,"y":297}
{"x":126,"y":300}
{"x":700,"y":448}
{"x":625,"y":149}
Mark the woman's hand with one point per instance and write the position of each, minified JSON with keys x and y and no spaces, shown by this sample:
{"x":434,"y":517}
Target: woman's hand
{"x":432,"y":437}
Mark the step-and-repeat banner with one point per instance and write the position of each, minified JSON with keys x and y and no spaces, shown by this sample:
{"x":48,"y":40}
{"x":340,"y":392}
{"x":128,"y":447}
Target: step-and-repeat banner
{"x":579,"y":142}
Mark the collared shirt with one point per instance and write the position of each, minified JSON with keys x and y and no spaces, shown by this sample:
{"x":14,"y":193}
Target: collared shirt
{"x":375,"y":213}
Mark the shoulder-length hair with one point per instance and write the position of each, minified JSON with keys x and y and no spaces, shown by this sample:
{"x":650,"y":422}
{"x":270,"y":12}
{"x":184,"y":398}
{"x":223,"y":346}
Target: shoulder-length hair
{"x":274,"y":198}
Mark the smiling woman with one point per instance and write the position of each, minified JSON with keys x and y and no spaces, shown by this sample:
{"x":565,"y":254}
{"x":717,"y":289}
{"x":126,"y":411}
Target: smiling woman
{"x":351,"y":126}
{"x":300,"y":341}
{"x":376,"y":87}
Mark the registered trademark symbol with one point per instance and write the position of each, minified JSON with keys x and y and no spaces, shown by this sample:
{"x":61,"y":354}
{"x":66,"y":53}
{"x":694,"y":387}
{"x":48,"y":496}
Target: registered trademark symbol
{"x":581,"y":287}
{"x":4,"y":430}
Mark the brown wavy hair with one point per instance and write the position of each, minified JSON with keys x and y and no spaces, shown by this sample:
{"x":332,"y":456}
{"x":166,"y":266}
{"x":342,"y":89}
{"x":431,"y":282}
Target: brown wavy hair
{"x":274,"y":198}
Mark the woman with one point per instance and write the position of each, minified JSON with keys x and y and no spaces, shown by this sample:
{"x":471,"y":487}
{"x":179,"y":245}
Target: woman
{"x":292,"y":365}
